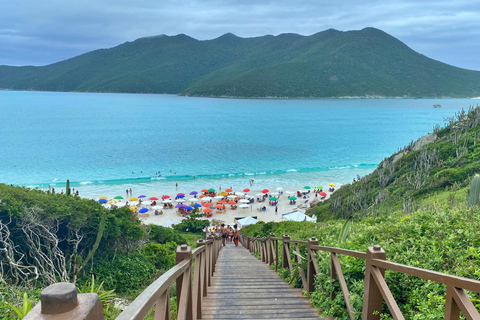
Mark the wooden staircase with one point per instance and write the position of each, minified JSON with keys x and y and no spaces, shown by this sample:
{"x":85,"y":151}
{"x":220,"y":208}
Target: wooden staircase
{"x":245,"y":288}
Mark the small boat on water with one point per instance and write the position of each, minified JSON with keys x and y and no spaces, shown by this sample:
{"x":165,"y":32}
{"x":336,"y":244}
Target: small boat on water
{"x":437,"y":105}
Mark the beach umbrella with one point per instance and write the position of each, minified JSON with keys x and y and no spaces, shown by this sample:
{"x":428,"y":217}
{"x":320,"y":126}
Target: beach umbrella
{"x":202,"y":196}
{"x":169,"y":223}
{"x":207,"y":204}
{"x":228,"y":190}
{"x":293,"y":198}
{"x":133,"y":199}
{"x":142,"y":196}
{"x":232,"y":202}
{"x":273,"y":198}
{"x":133,"y":203}
{"x":180,"y":200}
{"x":157,"y":207}
{"x":165,"y":196}
{"x":120,"y":204}
{"x":167,"y":201}
{"x":244,"y":201}
{"x":147,"y":203}
{"x":244,"y":206}
{"x":204,"y":190}
{"x":207,"y":210}
{"x":118,"y":197}
{"x":240,"y":194}
{"x":297,"y":216}
{"x":193,"y":193}
{"x":102,"y":197}
{"x":259,"y":194}
{"x":207,"y":199}
{"x":279,"y":189}
{"x":289,"y":191}
{"x":218,"y":197}
{"x":248,"y":196}
{"x":196,"y":205}
{"x":319,"y":187}
{"x":306,"y":187}
{"x":211,"y":190}
{"x":221,"y":202}
{"x":224,"y":194}
{"x":143,"y":210}
{"x":180,"y":205}
{"x":232,"y":196}
{"x":153,"y":198}
{"x":193,"y":199}
{"x":219,"y":206}
{"x":247,"y":221}
{"x":331,"y":185}
{"x":265,"y":191}
{"x":323,"y":194}
{"x":246,"y":190}
{"x":188,"y":208}
{"x":102,"y":201}
{"x":274,"y":193}
{"x":180,"y":195}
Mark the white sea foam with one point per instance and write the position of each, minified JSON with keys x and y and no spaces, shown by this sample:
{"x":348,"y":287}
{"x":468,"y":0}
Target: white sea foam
{"x":85,"y":183}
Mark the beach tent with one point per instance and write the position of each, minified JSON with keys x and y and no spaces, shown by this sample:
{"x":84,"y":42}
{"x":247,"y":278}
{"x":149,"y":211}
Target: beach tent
{"x":246,"y":221}
{"x":297,"y":216}
{"x":169,"y":223}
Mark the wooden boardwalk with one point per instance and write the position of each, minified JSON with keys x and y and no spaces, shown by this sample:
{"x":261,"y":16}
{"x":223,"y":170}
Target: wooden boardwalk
{"x":245,"y":288}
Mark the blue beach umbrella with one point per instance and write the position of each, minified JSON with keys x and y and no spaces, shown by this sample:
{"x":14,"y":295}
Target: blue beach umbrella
{"x":102,"y":201}
{"x":180,"y":205}
{"x":196,"y":205}
{"x":142,"y":196}
{"x":188,"y":208}
{"x":180,"y":196}
{"x":193,"y":192}
{"x":143,"y":210}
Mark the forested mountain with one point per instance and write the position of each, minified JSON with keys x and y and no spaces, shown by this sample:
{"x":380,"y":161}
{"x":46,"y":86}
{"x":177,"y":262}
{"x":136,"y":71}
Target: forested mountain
{"x":331,"y":63}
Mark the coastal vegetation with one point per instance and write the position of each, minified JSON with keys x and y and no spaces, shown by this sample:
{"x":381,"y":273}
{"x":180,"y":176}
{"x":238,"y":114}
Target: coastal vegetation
{"x":48,"y":237}
{"x":364,"y":63}
{"x":421,"y":205}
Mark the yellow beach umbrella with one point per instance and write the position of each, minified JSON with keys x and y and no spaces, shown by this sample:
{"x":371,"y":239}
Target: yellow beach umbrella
{"x":223,"y":194}
{"x":133,"y":199}
{"x":102,"y":197}
{"x":331,"y":185}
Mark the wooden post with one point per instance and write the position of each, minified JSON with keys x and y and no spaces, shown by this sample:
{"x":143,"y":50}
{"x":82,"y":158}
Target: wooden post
{"x":285,"y":247}
{"x":60,"y":301}
{"x":372,"y":297}
{"x":211,"y":253}
{"x":270,"y":248}
{"x":257,"y":246}
{"x":184,"y":252}
{"x":310,"y":267}
{"x":204,"y":266}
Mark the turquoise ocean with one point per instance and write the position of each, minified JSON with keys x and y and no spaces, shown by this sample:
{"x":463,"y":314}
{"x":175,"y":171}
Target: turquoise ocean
{"x":105,"y":143}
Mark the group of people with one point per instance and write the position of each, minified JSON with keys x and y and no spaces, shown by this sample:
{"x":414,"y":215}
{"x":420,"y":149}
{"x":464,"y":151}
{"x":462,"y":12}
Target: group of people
{"x":229,"y":234}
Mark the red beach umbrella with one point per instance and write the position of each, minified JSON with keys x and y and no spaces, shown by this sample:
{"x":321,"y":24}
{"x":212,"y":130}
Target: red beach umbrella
{"x":153,"y":198}
{"x":228,"y":190}
{"x":165,"y":197}
{"x":265,"y":191}
{"x":202,"y":196}
{"x":207,"y":210}
{"x":207,"y":204}
{"x":204,"y":190}
{"x":246,"y":190}
{"x":219,"y":206}
{"x":323,"y":194}
{"x":231,"y":202}
{"x":221,"y":202}
{"x":180,"y":194}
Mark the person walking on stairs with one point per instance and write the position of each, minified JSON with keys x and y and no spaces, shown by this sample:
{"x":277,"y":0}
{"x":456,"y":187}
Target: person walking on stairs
{"x":235,"y":235}
{"x":223,"y":231}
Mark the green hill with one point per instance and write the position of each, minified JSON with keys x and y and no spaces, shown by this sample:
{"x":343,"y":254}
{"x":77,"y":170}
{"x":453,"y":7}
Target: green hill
{"x":331,"y":63}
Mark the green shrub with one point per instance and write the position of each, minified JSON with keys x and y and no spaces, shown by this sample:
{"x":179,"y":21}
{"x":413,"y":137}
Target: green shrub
{"x":163,"y":235}
{"x":124,"y":272}
{"x":161,"y":255}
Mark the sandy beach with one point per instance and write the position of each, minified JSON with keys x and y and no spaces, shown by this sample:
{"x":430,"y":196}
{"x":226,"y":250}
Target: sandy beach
{"x":271,"y":212}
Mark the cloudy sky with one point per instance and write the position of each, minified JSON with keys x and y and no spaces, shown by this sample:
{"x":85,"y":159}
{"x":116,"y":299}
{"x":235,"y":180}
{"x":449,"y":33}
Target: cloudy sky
{"x":36,"y":32}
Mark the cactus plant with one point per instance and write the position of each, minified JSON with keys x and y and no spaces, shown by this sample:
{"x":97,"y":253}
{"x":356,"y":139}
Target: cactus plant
{"x":474,"y":193}
{"x":67,"y":188}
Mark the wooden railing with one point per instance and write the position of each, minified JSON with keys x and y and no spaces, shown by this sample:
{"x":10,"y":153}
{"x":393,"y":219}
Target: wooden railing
{"x":191,"y":288}
{"x":376,"y":289}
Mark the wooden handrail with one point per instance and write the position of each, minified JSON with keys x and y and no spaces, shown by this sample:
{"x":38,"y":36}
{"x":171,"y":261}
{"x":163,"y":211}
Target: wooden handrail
{"x":376,"y":289}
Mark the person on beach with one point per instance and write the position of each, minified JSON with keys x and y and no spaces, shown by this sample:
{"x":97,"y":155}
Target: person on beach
{"x":235,"y":235}
{"x":223,"y":231}
{"x":130,"y":192}
{"x":230,"y":234}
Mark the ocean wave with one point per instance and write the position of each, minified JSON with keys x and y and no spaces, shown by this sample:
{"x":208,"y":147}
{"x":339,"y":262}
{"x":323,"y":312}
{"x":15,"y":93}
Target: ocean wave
{"x":87,"y":182}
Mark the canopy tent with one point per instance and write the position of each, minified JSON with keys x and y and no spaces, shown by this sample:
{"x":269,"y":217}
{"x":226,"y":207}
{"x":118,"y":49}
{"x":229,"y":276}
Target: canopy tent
{"x":246,"y":221}
{"x":297,"y":216}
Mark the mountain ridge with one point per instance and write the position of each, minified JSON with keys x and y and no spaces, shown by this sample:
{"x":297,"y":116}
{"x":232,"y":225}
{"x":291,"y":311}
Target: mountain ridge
{"x":330,"y":63}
